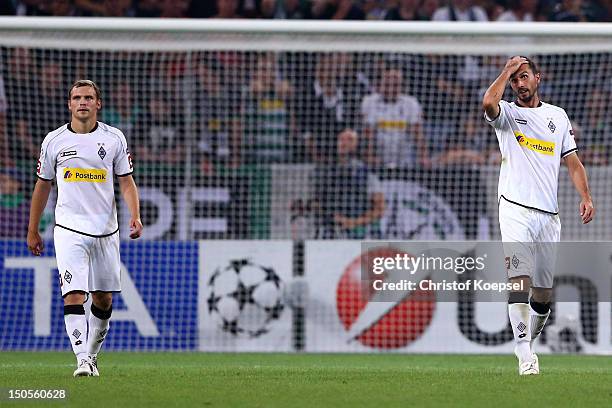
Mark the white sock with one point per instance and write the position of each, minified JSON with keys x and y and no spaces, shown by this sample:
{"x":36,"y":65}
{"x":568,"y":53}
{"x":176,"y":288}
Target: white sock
{"x":537,"y":322}
{"x":520,"y":322}
{"x":76,"y":328}
{"x":99,"y":322}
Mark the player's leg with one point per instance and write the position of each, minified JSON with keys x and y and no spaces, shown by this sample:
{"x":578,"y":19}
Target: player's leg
{"x":99,"y":322}
{"x":546,"y":255}
{"x":105,"y":279}
{"x":518,"y":250}
{"x":73,"y":267}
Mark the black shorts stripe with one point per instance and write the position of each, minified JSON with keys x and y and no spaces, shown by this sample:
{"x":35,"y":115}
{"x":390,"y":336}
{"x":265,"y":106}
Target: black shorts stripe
{"x":86,"y":234}
{"x":531,"y":208}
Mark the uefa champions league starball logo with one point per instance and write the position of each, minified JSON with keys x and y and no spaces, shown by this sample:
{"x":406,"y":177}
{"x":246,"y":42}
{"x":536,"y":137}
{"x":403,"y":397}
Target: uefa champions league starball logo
{"x":245,"y":298}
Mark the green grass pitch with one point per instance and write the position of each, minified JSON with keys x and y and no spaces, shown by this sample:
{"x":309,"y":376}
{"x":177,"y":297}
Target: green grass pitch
{"x":311,"y":380}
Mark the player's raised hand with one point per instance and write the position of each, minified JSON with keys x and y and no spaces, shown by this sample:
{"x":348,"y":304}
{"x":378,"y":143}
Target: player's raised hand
{"x":514,"y":63}
{"x":587,"y":211}
{"x":35,"y":243}
{"x":135,"y":228}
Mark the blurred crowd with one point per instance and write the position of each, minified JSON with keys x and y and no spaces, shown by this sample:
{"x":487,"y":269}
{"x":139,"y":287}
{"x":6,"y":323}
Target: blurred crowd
{"x":352,"y":116}
{"x":401,"y":10}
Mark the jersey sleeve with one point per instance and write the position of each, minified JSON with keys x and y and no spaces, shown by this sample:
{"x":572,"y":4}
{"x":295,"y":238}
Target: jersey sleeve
{"x":45,"y":169}
{"x":499,"y":121}
{"x":568,"y":146}
{"x":366,"y":112}
{"x":123,"y":159}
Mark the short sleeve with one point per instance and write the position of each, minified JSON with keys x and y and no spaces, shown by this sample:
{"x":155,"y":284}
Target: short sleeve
{"x":415,"y":110}
{"x":366,"y":111}
{"x":374,"y":184}
{"x":569,"y":144}
{"x":123,"y":160}
{"x":499,"y":121}
{"x":47,"y":161}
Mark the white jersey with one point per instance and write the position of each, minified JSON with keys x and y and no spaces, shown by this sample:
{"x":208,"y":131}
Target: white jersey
{"x":532,"y":142}
{"x":391,"y":122}
{"x":85,"y":166}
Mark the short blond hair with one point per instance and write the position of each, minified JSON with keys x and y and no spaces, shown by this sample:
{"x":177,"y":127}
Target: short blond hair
{"x":85,"y":82}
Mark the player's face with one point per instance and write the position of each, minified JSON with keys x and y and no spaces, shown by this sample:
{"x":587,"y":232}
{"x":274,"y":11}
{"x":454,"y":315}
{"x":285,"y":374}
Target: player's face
{"x":83,"y":103}
{"x":525,"y":83}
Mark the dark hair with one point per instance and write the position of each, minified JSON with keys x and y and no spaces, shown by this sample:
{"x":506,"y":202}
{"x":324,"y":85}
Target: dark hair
{"x":85,"y":82}
{"x":532,"y":65}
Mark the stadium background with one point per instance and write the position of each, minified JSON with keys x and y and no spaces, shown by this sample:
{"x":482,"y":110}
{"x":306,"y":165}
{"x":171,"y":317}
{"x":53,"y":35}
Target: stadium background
{"x":222,"y":138}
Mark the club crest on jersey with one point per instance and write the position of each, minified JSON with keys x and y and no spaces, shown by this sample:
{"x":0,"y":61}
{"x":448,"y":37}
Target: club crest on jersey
{"x":551,"y":126}
{"x":102,"y":152}
{"x":85,"y":175}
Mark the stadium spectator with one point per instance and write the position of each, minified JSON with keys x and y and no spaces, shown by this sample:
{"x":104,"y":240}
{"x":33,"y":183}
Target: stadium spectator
{"x":106,"y":8}
{"x":572,"y":11}
{"x":149,"y":8}
{"x":5,"y":157}
{"x":406,"y":10}
{"x":519,"y":10}
{"x":375,"y":9}
{"x":14,"y":205}
{"x":428,"y":8}
{"x":593,"y":134}
{"x":471,"y":143}
{"x":159,"y":133}
{"x":216,"y":117}
{"x":392,"y":124}
{"x":349,"y":200}
{"x":227,"y":9}
{"x":122,"y":112}
{"x":336,"y":10}
{"x":37,"y":98}
{"x":174,"y":8}
{"x":323,"y":109}
{"x":267,"y":121}
{"x":288,"y":9}
{"x":460,"y":10}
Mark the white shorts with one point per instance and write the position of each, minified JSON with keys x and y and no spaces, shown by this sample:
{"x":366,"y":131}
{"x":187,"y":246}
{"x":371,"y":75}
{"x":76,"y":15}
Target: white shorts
{"x":530,"y":240}
{"x":87,"y":263}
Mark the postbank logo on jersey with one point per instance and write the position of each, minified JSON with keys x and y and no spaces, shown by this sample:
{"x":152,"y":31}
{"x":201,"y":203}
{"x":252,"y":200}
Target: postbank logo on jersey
{"x":72,"y":174}
{"x":539,"y":146}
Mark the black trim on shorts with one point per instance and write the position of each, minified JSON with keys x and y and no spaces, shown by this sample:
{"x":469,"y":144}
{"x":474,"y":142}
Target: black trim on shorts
{"x":126,"y":174}
{"x":86,"y":234}
{"x":568,"y":152}
{"x":86,"y":293}
{"x":42,"y":178}
{"x":528,"y":207}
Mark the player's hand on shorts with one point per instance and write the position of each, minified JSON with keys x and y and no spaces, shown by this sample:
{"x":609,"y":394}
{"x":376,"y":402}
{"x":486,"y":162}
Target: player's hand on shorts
{"x":514,"y":63}
{"x":35,"y":243}
{"x":587,"y":211}
{"x":135,"y":228}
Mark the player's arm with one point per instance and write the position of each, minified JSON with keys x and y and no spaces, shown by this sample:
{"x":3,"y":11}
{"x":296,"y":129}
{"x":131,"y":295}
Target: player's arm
{"x":40,"y":196}
{"x":493,"y":95}
{"x":579,"y":178}
{"x":376,"y":211}
{"x":129,"y":191}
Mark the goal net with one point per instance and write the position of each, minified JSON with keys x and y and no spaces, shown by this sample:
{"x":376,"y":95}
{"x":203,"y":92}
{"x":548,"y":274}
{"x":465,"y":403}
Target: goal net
{"x":264,"y":154}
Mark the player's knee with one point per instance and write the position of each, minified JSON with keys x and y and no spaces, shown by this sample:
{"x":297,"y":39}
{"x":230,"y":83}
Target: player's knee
{"x":541,"y":295}
{"x":102,"y":300}
{"x":539,"y":307}
{"x":518,"y":297}
{"x":74,"y":298}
